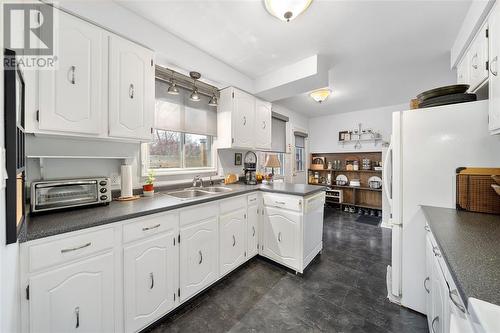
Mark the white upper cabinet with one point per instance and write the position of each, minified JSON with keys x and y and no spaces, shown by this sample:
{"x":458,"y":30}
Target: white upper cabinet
{"x":494,"y":82}
{"x":70,"y":97}
{"x":131,"y":90}
{"x":78,"y":297}
{"x":150,"y":278}
{"x":243,"y":121}
{"x":463,"y":71}
{"x":262,"y":125}
{"x":478,"y":59}
{"x":232,"y":240}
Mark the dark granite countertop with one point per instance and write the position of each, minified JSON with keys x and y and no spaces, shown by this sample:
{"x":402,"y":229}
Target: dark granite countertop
{"x":50,"y":224}
{"x":470,"y":244}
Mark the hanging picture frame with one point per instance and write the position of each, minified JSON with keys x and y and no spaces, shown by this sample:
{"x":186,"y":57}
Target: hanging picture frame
{"x":238,"y":157}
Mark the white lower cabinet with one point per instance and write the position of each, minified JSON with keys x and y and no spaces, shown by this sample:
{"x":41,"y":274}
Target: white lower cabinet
{"x":232,"y":235}
{"x":150,"y":279}
{"x":198,"y":256}
{"x":253,"y":230}
{"x":77,"y":297}
{"x":281,"y":236}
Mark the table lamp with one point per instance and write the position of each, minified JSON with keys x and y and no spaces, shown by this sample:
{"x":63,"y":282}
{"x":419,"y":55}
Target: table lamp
{"x":272,"y":162}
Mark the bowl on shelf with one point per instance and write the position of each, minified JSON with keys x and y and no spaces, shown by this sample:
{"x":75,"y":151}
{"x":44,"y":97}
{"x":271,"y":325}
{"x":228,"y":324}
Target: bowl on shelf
{"x":355,"y":182}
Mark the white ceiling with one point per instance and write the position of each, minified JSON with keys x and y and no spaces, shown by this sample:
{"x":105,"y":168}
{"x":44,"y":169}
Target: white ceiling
{"x":379,"y":52}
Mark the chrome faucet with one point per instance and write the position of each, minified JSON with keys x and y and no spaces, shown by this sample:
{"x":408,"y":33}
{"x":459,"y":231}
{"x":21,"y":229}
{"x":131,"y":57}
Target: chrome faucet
{"x":197,"y":181}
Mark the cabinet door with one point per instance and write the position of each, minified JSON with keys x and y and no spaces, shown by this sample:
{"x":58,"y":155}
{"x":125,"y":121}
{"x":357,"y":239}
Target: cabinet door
{"x":150,"y":279}
{"x":439,"y":300}
{"x":232,"y":240}
{"x":70,"y":97}
{"x":478,"y":56}
{"x":74,"y":298}
{"x":131,"y":90}
{"x":198,"y":256}
{"x":262,"y":125}
{"x":252,"y":231}
{"x":281,"y":235}
{"x":243,"y":120}
{"x":494,"y":82}
{"x":427,"y":284}
{"x":463,"y":71}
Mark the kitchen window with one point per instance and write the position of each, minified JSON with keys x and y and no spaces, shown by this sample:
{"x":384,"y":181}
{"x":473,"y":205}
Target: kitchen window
{"x":183,"y":134}
{"x":300,"y":151}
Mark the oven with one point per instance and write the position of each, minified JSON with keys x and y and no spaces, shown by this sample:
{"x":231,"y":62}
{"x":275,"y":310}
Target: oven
{"x":68,"y":193}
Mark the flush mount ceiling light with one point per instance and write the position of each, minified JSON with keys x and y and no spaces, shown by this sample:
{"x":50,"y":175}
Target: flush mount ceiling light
{"x":213,"y":100}
{"x":320,"y":95}
{"x":172,"y":88}
{"x":286,"y":10}
{"x":194,"y":94}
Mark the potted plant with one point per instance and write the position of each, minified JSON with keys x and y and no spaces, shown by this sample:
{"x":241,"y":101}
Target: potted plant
{"x":148,"y":189}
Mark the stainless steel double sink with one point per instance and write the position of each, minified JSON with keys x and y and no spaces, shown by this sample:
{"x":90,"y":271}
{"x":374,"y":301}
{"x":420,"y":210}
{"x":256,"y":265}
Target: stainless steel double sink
{"x":197,"y":192}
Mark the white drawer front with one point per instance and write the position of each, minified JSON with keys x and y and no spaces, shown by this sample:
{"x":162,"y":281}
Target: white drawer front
{"x":148,"y":226}
{"x":291,"y":202}
{"x":253,"y":199}
{"x":232,"y":204}
{"x":198,"y":213}
{"x":63,"y":250}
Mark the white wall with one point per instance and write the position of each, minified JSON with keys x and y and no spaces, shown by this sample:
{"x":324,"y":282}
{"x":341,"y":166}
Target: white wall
{"x":323,"y":131}
{"x":9,"y":254}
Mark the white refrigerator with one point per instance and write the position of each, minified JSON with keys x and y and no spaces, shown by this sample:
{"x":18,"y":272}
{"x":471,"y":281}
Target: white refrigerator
{"x":427,"y":147}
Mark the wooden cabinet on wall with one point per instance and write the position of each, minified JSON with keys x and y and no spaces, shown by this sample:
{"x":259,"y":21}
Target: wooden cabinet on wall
{"x":103,"y":86}
{"x":131,"y":90}
{"x":70,"y":97}
{"x":243,"y":121}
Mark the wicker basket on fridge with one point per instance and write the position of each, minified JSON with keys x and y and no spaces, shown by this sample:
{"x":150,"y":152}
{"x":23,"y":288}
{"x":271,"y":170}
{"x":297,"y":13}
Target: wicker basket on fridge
{"x":474,"y":191}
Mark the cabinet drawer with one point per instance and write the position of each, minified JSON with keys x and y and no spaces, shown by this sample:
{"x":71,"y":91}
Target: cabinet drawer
{"x":290,"y":202}
{"x":148,"y":226}
{"x":253,"y":199}
{"x":66,"y":249}
{"x":198,"y":213}
{"x":232,"y":204}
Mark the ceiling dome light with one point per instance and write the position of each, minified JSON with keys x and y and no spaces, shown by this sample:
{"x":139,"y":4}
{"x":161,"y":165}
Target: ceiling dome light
{"x":286,"y":10}
{"x":320,"y":95}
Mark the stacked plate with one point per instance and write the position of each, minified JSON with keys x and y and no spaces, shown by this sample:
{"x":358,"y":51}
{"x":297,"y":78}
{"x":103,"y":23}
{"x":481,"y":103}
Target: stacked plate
{"x":445,"y":95}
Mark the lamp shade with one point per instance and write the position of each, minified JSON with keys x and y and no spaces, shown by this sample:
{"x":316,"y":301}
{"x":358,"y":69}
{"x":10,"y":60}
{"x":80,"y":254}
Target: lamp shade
{"x":272,"y":161}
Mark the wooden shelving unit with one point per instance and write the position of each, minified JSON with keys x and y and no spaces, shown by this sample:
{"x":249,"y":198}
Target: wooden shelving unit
{"x":356,"y":196}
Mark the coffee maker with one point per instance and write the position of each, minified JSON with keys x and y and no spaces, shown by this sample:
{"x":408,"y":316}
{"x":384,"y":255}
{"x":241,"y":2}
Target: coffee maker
{"x":250,"y":168}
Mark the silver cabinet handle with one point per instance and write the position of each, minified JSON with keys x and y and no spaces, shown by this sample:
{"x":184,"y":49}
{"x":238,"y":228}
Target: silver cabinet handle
{"x":425,"y":285}
{"x":244,"y":120}
{"x":131,"y":91}
{"x":72,"y":70}
{"x":458,"y":305}
{"x":494,"y":61}
{"x":252,"y":200}
{"x":279,"y":236}
{"x":436,"y":319}
{"x":151,"y":276}
{"x":201,"y":257}
{"x":263,"y":124}
{"x":152,"y":227}
{"x":427,"y":228}
{"x":472,"y":61}
{"x":77,"y":314}
{"x":436,"y":251}
{"x":253,"y":228}
{"x":234,"y":241}
{"x":76,"y":248}
{"x":279,"y":202}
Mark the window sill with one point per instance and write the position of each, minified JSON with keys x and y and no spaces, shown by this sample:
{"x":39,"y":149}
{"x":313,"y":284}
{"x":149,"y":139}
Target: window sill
{"x":174,"y":172}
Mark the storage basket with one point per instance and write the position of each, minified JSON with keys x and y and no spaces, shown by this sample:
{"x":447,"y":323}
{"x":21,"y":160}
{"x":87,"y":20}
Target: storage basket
{"x":474,"y":191}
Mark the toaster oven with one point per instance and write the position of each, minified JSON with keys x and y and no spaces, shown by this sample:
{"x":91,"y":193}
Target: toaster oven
{"x":60,"y":194}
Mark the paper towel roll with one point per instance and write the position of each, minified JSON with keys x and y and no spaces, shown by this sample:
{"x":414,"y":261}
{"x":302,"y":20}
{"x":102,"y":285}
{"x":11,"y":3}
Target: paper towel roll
{"x":126,"y":173}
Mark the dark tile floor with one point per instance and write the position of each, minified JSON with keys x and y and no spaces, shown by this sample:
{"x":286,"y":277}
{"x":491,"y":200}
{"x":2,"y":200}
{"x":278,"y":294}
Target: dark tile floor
{"x":343,"y":290}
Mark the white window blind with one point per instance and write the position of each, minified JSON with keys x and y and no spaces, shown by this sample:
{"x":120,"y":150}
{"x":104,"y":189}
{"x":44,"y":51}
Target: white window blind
{"x":178,"y":113}
{"x":278,"y":132}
